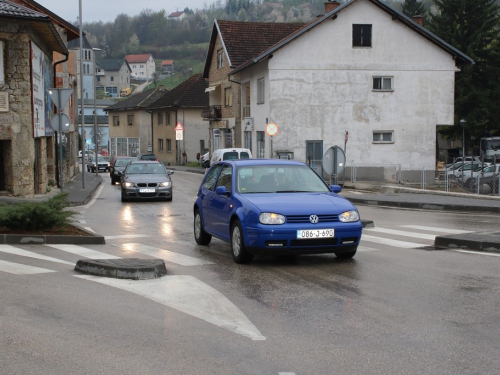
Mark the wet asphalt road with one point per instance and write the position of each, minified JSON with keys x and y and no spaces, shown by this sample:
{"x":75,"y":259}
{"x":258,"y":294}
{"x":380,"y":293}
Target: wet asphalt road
{"x":398,"y":307}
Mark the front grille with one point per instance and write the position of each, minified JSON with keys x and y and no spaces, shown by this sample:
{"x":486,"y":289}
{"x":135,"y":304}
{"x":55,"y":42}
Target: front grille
{"x":314,"y":242}
{"x":144,"y":184}
{"x":297,"y":219}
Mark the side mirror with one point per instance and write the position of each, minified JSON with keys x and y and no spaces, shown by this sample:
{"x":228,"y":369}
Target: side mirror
{"x":335,"y":189}
{"x":170,"y":172}
{"x":221,"y":190}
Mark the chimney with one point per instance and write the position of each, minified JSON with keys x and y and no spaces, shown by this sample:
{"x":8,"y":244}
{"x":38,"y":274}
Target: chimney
{"x":331,"y":5}
{"x":418,"y":19}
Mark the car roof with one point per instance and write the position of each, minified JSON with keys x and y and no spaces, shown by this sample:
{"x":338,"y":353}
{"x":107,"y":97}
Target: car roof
{"x":256,"y":162}
{"x":146,"y":162}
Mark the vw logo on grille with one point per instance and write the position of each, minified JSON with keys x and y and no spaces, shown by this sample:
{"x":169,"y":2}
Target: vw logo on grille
{"x":314,"y":219}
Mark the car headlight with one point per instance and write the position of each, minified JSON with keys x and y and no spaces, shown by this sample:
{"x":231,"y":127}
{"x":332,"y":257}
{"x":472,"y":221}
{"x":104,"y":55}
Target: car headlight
{"x":165,"y":184}
{"x":271,"y":218}
{"x":349,"y":216}
{"x":128,"y":184}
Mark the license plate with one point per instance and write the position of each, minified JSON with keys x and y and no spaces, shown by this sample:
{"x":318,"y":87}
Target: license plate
{"x":317,"y":233}
{"x":146,"y":190}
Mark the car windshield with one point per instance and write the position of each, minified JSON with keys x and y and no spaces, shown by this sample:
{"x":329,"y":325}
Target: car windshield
{"x":146,"y":169}
{"x":278,"y":178}
{"x":102,"y":159}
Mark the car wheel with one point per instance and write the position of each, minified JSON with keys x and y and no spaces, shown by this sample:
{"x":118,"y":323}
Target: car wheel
{"x":347,"y":254}
{"x":201,"y":237}
{"x":240,"y":253}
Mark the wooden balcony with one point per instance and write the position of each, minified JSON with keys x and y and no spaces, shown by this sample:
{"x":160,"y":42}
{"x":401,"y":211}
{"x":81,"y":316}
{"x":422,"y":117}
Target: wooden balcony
{"x":213,"y":112}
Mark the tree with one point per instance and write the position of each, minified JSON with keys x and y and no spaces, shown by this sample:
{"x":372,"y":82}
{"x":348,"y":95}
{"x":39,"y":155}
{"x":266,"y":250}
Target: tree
{"x":473,"y":28}
{"x":412,"y":8}
{"x":133,"y":45}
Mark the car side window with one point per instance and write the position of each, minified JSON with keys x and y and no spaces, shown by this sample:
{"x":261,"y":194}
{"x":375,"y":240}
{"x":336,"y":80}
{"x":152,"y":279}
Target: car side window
{"x":225,"y":177}
{"x":211,"y":177}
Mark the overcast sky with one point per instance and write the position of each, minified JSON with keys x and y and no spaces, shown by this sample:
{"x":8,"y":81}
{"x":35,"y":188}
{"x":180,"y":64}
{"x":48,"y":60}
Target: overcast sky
{"x":107,"y":10}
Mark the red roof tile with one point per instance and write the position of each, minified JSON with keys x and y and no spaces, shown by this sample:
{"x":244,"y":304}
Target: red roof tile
{"x":137,"y":58}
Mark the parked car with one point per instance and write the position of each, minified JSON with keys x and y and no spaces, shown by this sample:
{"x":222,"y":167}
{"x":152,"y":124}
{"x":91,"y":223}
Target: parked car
{"x":230,"y":154}
{"x":488,"y":170}
{"x":487,"y":185}
{"x":457,"y":173}
{"x":274,"y":206}
{"x":102,"y":164}
{"x":147,"y":157}
{"x":87,"y":154}
{"x":205,"y":160}
{"x":146,"y":179}
{"x":117,"y":166}
{"x":468,"y":159}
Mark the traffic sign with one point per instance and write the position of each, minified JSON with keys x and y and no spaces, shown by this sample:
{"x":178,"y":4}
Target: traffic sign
{"x":272,"y":129}
{"x":178,"y":135}
{"x":65,"y":122}
{"x":60,"y":101}
{"x":179,"y":126}
{"x":334,"y":160}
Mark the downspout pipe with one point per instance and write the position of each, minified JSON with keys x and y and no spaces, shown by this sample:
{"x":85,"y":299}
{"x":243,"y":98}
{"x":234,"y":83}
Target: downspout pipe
{"x":66,"y":57}
{"x":152,"y":149}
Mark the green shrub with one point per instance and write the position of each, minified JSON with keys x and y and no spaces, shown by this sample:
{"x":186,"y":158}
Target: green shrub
{"x":37,"y":215}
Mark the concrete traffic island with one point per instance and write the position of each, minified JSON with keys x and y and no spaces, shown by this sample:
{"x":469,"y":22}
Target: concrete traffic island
{"x":488,"y":241}
{"x":129,"y":268}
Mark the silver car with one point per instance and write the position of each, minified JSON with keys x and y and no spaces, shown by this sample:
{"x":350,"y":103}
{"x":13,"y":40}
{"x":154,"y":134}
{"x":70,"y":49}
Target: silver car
{"x":146,"y":180}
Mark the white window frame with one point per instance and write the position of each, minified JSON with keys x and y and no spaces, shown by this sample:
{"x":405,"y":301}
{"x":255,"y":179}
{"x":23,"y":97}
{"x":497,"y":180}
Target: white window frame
{"x":383,"y":136}
{"x":160,"y":145}
{"x":383,"y":80}
{"x":220,"y":58}
{"x":2,"y":72}
{"x":261,"y":94}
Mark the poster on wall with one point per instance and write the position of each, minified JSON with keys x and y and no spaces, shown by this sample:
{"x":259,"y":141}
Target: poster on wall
{"x":42,"y":104}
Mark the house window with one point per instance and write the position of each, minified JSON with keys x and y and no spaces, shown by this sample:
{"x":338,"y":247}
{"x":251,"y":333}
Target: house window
{"x":228,"y":97}
{"x":248,"y":140}
{"x":112,"y":78}
{"x":160,"y":145}
{"x":168,"y":118}
{"x":116,"y":120}
{"x":160,"y":118}
{"x":382,"y":84}
{"x":169,"y":145}
{"x":220,"y":59}
{"x":141,"y":66}
{"x":130,"y":119}
{"x":261,"y":145}
{"x":383,"y":136}
{"x":361,"y":35}
{"x":2,"y":73}
{"x":260,"y":91}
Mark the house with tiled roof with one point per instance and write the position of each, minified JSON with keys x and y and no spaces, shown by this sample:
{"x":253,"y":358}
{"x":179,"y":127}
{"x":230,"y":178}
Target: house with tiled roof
{"x":176,"y":16}
{"x":363,"y":77}
{"x":130,"y":124}
{"x":232,"y":43}
{"x":112,"y":75}
{"x":146,"y":122}
{"x":183,"y":104}
{"x":167,"y":67}
{"x":31,"y":42}
{"x":143,"y":66}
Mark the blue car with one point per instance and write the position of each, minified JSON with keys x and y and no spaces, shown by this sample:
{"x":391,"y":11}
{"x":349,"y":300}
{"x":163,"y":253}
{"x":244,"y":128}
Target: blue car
{"x":273,"y":206}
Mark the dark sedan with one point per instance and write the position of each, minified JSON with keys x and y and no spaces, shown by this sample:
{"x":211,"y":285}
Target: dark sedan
{"x":146,"y":180}
{"x":117,"y":167}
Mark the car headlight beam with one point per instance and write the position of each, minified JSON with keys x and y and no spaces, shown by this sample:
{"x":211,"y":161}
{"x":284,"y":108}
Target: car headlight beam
{"x":128,"y":184}
{"x":165,"y":184}
{"x":270,"y":218}
{"x":349,"y":216}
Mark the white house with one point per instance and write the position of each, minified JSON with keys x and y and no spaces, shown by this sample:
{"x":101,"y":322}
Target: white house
{"x":143,"y":66}
{"x":362,"y":68}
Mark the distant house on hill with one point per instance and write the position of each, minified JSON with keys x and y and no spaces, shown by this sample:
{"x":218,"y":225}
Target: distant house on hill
{"x":112,"y":75}
{"x":177,"y":16}
{"x":143,"y":66}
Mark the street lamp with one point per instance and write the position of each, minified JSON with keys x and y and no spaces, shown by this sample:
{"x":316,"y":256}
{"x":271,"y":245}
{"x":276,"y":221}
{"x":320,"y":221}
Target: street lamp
{"x":94,"y":50}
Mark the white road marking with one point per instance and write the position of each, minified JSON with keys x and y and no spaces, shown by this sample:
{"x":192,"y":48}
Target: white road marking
{"x":84,"y":252}
{"x":389,"y":242}
{"x":21,"y":269}
{"x":166,"y":255}
{"x":286,"y":373}
{"x":125,"y":236}
{"x":434,"y":229}
{"x":191,"y":296}
{"x":364,"y":248}
{"x":477,"y":253}
{"x":401,"y":233}
{"x":29,"y":254}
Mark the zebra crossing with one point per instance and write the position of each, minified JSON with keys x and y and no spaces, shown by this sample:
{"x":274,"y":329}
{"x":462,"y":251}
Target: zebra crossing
{"x":402,"y":237}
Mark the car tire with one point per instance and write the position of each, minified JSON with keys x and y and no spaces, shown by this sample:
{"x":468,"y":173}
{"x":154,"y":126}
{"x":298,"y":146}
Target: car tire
{"x":347,"y":254}
{"x":238,"y":248}
{"x":200,"y":236}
